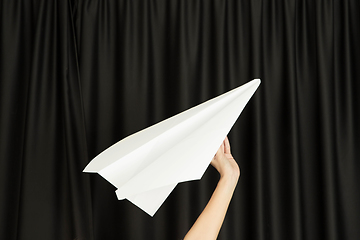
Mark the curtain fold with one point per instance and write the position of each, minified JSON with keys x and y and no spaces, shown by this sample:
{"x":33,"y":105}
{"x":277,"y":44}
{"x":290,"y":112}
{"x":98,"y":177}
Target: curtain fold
{"x":43,"y":147}
{"x":77,"y":76}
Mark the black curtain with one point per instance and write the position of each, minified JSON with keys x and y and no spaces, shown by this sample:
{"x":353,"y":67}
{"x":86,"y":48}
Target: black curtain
{"x":76,"y":76}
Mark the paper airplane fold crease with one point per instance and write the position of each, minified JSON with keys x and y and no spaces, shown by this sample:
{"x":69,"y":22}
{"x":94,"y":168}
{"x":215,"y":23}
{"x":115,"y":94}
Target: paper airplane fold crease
{"x":146,"y":166}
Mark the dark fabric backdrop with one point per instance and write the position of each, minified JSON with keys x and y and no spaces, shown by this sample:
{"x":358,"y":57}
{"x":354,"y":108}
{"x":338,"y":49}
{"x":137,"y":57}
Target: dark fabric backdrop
{"x":76,"y":76}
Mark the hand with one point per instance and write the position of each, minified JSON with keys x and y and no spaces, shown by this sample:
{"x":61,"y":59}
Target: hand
{"x":225,"y":163}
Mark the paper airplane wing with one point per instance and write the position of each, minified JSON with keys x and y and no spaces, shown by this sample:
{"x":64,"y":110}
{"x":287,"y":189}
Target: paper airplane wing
{"x":146,"y":166}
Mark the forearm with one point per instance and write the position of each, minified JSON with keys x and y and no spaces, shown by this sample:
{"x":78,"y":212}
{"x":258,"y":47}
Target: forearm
{"x":208,"y":224}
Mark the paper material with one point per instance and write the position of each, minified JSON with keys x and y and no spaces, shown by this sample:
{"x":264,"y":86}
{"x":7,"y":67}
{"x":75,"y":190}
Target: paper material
{"x":146,"y":166}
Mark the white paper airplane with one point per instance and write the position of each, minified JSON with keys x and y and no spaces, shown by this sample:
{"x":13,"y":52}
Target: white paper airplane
{"x":146,"y":166}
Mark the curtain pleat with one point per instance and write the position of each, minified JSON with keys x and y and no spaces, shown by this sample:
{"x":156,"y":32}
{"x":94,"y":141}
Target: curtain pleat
{"x":43,"y":195}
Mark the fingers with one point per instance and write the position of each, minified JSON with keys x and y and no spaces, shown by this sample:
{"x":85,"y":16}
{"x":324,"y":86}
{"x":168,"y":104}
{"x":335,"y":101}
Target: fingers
{"x":224,"y":147}
{"x":221,"y":149}
{"x":226,"y":144}
{"x":218,"y":154}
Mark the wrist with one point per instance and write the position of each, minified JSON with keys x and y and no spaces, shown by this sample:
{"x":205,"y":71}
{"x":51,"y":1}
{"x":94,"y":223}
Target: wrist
{"x":230,"y":179}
